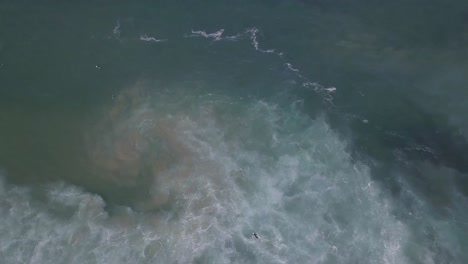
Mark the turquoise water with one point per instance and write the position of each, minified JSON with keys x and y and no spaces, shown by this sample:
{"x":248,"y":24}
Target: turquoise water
{"x":163,"y":132}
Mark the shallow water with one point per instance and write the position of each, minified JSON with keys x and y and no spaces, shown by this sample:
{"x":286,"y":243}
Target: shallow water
{"x":169,"y":133}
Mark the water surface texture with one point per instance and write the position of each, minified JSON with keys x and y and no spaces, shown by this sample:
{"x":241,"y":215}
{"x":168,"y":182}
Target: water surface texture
{"x":171,"y":131}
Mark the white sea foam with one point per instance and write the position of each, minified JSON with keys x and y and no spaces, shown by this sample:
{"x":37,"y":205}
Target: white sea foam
{"x":253,"y":36}
{"x":252,"y":33}
{"x":218,"y":35}
{"x":289,"y":65}
{"x":151,"y":39}
{"x":331,"y":89}
{"x":215,"y":35}
{"x":325,"y":92}
{"x":116,"y":31}
{"x":233,"y":37}
{"x":257,"y":168}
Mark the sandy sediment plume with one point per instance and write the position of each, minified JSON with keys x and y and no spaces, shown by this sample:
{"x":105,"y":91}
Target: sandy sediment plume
{"x":139,"y":148}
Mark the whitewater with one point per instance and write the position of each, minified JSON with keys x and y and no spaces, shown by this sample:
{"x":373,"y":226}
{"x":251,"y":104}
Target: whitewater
{"x":172,"y":133}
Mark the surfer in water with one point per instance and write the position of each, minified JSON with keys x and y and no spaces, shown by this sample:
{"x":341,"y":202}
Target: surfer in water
{"x":255,"y":235}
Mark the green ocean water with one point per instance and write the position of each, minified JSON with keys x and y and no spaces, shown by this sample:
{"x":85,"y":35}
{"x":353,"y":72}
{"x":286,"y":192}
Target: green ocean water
{"x":170,"y":132}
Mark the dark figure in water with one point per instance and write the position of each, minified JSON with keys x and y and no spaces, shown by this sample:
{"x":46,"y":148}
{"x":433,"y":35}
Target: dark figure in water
{"x":256,"y":236}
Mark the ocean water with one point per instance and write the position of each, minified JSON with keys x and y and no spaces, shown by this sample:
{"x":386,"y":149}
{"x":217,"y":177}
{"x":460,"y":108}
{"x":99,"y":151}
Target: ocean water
{"x":170,"y":132}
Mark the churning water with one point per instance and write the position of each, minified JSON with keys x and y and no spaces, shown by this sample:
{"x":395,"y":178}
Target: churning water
{"x":170,"y":133}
